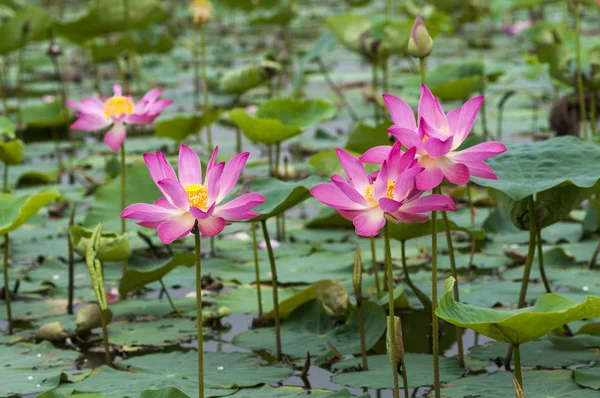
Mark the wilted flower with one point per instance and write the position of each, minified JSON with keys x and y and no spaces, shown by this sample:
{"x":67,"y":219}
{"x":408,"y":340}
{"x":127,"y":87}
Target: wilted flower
{"x":117,"y":111}
{"x":436,"y":140}
{"x":189,"y":199}
{"x":420,"y":42}
{"x":201,"y":10}
{"x":366,"y":200}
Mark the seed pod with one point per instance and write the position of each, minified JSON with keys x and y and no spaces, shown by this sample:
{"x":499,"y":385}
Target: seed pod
{"x":201,"y":10}
{"x":357,"y":276}
{"x":420,"y":42}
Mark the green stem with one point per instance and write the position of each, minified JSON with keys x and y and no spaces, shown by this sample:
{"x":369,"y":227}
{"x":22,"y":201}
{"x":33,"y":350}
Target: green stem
{"x":592,"y":262}
{"x":171,"y":303}
{"x":105,"y":338}
{"x":20,"y":88}
{"x":7,"y":287}
{"x":473,"y":239}
{"x":483,"y":113}
{"x":418,"y":292}
{"x":238,"y":140}
{"x":199,"y":311}
{"x":5,"y":179}
{"x":384,"y":68}
{"x":123,"y":181}
{"x":518,"y":375}
{"x":205,"y":85}
{"x":213,"y":248}
{"x":593,"y":95}
{"x":3,"y":88}
{"x":541,"y":260}
{"x":71,"y":263}
{"x":530,"y":253}
{"x":582,"y":112}
{"x":336,"y":90}
{"x":363,"y":344}
{"x":263,"y":224}
{"x":277,"y":158}
{"x":459,"y":340}
{"x":434,"y":302}
{"x":422,"y":69}
{"x":196,"y":54}
{"x":391,"y":318}
{"x":374,"y":264}
{"x":256,"y":270}
{"x":374,"y":87}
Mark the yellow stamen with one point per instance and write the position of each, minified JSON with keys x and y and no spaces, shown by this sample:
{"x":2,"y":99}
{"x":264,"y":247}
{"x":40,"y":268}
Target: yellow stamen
{"x":197,"y":195}
{"x":201,"y":10}
{"x":389,"y":192}
{"x":447,"y":131}
{"x":118,"y":106}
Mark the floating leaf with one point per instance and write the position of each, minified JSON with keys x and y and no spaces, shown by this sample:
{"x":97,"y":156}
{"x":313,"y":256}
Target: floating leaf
{"x":111,"y":246}
{"x":518,"y":326}
{"x":588,"y":377}
{"x":302,"y":113}
{"x":247,"y":77}
{"x":179,"y":127}
{"x":28,"y":24}
{"x":47,"y":114}
{"x":17,"y":209}
{"x":134,"y":279}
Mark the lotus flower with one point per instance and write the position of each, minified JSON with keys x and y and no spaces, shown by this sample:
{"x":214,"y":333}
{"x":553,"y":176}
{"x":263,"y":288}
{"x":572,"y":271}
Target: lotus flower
{"x":190,"y":199}
{"x":436,"y":140}
{"x":367,"y":199}
{"x":117,"y":111}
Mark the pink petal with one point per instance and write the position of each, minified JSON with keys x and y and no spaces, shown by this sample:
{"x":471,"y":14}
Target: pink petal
{"x":481,"y":151}
{"x":454,"y":122}
{"x":354,"y":169}
{"x":468,"y":115}
{"x":429,"y":131}
{"x":431,"y":110}
{"x":158,"y":167}
{"x":409,"y":218}
{"x":213,"y":159}
{"x":400,"y":111}
{"x":175,"y":193}
{"x":481,"y":169}
{"x":157,"y":107}
{"x":231,"y":173}
{"x":211,"y":226}
{"x":369,"y":223}
{"x":394,"y":160}
{"x":240,"y":208}
{"x":406,"y":182}
{"x":429,"y":178}
{"x":349,"y":190}
{"x":90,"y":105}
{"x":164,"y":203}
{"x":189,"y":167}
{"x":437,"y":148}
{"x":90,"y":122}
{"x":408,"y":138}
{"x":456,"y":173}
{"x":428,"y":203}
{"x":136,"y":118}
{"x":381,"y":183}
{"x":389,"y":205}
{"x":152,"y":95}
{"x":117,"y":90}
{"x":376,"y":155}
{"x":349,"y":214}
{"x":198,"y":214}
{"x":213,"y":181}
{"x":148,"y":212}
{"x":115,"y":137}
{"x":175,"y":228}
{"x":330,"y":195}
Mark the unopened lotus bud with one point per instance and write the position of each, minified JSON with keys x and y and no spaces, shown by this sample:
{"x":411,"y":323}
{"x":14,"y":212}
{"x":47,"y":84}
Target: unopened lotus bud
{"x":397,"y":341}
{"x":201,"y":10}
{"x":420,"y":43}
{"x":357,"y":276}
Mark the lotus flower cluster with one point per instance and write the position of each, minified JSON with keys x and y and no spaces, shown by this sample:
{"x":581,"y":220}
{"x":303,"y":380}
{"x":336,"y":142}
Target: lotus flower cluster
{"x":116,"y":112}
{"x":395,"y":192}
{"x":190,"y":199}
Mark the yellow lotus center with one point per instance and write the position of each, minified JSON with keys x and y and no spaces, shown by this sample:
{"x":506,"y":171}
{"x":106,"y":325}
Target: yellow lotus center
{"x":389,"y":192}
{"x":118,"y":106}
{"x":197,"y":195}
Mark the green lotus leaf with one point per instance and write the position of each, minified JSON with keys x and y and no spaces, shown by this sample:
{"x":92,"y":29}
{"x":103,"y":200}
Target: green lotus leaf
{"x":402,"y":231}
{"x":263,"y":130}
{"x":147,"y":41}
{"x":15,"y":210}
{"x":301,"y":113}
{"x":12,"y":152}
{"x":7,"y":128}
{"x":112,"y":246}
{"x":247,"y":77}
{"x":38,"y":24}
{"x":456,"y":81}
{"x":47,"y":114}
{"x":281,"y":16}
{"x":281,"y":195}
{"x":588,"y":377}
{"x":364,"y":137}
{"x":328,"y":163}
{"x":134,"y":279}
{"x":179,"y":127}
{"x":347,"y":29}
{"x":106,"y":16}
{"x":518,"y":326}
{"x":246,"y":5}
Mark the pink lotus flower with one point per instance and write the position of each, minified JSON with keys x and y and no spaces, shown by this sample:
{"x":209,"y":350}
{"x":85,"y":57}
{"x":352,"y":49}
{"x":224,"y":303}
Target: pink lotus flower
{"x":366,"y":200}
{"x":437,"y":139}
{"x":189,"y":199}
{"x":117,"y":111}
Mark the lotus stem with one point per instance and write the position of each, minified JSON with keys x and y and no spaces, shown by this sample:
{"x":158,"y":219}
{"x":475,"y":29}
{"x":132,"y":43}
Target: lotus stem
{"x":374,"y":264}
{"x":340,"y":94}
{"x":473,"y":239}
{"x":71,"y":263}
{"x":434,"y":301}
{"x":392,"y":323}
{"x":213,"y":249}
{"x":171,"y":303}
{"x":5,"y":179}
{"x":263,"y":224}
{"x":256,"y":270}
{"x":123,"y":181}
{"x":592,"y":262}
{"x":197,"y":78}
{"x":422,"y":69}
{"x":374,"y":87}
{"x":363,"y":344}
{"x":582,"y":112}
{"x":384,"y":68}
{"x":530,"y":253}
{"x":107,"y":355}
{"x":20,"y":87}
{"x":418,"y":292}
{"x":518,"y":375}
{"x":483,"y":112}
{"x":199,"y":311}
{"x":7,"y":287}
{"x":63,"y":98}
{"x":238,"y":140}
{"x":4,"y":87}
{"x":459,"y":340}
{"x":205,"y":85}
{"x":541,"y":260}
{"x":593,"y":112}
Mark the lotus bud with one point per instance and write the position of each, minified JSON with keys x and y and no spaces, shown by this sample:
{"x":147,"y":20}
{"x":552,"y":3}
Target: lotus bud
{"x":420,"y":42}
{"x":397,"y":341}
{"x":357,"y":276}
{"x":201,"y":10}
